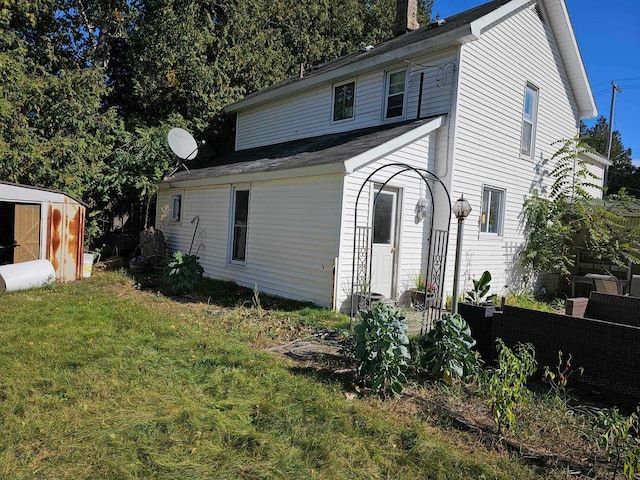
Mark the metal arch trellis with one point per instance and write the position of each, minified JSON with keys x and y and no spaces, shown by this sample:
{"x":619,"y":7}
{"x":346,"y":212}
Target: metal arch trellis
{"x":437,"y":242}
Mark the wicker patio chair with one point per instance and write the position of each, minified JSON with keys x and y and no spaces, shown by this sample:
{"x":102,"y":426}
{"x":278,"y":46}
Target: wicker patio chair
{"x":605,"y":283}
{"x":634,"y":288}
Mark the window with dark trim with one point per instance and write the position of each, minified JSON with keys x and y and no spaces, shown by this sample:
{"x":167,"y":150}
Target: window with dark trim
{"x":240,"y":215}
{"x":344,"y":96}
{"x":396,"y":86}
{"x":176,"y":207}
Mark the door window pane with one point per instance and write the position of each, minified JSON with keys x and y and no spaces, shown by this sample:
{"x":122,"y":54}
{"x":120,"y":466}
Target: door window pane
{"x":382,"y":218}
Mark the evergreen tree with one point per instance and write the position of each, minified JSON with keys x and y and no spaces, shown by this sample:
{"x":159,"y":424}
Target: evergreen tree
{"x":622,"y":173}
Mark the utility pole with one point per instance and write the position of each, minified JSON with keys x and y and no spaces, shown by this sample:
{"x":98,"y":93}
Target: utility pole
{"x":614,"y":88}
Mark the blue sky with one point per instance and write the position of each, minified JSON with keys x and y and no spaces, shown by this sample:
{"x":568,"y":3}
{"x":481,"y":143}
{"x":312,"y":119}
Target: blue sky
{"x":608,"y":34}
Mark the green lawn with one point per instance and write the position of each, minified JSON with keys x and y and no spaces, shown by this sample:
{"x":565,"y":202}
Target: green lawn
{"x":99,"y":380}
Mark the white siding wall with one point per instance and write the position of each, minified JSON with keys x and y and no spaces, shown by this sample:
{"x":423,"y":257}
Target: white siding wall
{"x":309,"y":114}
{"x":494,"y":72}
{"x":420,"y":154}
{"x":292,"y":234}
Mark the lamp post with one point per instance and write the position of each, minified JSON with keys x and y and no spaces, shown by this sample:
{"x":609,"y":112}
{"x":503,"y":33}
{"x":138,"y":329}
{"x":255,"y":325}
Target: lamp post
{"x":461,"y":210}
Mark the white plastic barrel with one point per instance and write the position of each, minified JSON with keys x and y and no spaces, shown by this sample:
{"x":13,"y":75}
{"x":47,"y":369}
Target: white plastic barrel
{"x":87,"y":264}
{"x":25,"y":275}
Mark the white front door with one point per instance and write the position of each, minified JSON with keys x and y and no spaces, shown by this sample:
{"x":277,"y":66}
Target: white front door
{"x":383,"y":254}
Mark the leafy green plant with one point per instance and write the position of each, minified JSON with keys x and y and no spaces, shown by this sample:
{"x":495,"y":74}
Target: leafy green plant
{"x":380,"y":347}
{"x":182,"y":273}
{"x":506,"y":383}
{"x":446,"y":349}
{"x":618,"y":436}
{"x":571,"y":219}
{"x":481,"y":288}
{"x":557,"y":380}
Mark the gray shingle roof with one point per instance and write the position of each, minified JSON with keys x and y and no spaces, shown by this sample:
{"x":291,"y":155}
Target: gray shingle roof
{"x":325,"y":149}
{"x":428,"y":31}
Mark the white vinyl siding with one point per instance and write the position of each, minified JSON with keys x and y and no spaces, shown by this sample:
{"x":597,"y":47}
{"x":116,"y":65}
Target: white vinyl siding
{"x":292,"y":238}
{"x":488,"y":131}
{"x":310,"y":114}
{"x":411,"y":249}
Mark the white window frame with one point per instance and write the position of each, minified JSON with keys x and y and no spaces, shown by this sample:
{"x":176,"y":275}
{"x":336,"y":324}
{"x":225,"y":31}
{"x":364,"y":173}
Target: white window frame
{"x":387,"y":95}
{"x":334,"y":87}
{"x":487,"y":194}
{"x":176,"y":213}
{"x":529,"y":120}
{"x":232,"y":226}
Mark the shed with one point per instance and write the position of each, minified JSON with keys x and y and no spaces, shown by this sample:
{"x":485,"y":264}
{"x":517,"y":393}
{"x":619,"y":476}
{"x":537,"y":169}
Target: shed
{"x":39,"y":223}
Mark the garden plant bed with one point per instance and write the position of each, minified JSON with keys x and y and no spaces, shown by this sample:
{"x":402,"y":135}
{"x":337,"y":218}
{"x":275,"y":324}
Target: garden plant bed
{"x":553,"y":440}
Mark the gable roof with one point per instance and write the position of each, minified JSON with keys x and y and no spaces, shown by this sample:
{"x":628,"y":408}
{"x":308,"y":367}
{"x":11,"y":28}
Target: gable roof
{"x":455,"y":30}
{"x":341,"y":152}
{"x":10,"y":192}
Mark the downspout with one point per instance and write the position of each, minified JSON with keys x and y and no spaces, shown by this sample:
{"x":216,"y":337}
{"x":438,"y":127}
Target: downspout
{"x":453,"y":114}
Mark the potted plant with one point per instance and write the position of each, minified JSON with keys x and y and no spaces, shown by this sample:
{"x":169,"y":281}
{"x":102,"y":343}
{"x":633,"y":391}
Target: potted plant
{"x":422,"y":291}
{"x":478,"y":310}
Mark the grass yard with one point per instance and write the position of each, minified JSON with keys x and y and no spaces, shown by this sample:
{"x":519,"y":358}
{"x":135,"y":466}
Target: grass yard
{"x":99,"y":380}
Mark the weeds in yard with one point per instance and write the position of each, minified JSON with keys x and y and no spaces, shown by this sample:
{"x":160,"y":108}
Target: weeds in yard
{"x":618,"y":434}
{"x":557,"y":381}
{"x":100,"y":380}
{"x":506,"y":384}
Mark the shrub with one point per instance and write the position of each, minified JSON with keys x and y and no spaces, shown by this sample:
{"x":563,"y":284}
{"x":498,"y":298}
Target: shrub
{"x":379,"y":344}
{"x":618,"y":436}
{"x":507,"y":382}
{"x":481,"y":288}
{"x":182,"y":273}
{"x":446,"y":349}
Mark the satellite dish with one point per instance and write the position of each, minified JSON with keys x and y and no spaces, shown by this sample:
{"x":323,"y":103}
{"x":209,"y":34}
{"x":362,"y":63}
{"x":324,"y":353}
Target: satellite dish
{"x":182,"y":143}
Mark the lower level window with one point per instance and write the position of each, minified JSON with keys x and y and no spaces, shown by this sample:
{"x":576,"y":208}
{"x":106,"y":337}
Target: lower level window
{"x":240,"y":215}
{"x":492,"y":210}
{"x":176,"y":207}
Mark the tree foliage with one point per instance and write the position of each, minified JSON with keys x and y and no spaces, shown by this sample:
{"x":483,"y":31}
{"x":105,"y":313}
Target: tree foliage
{"x":572,"y":219}
{"x":89,"y":88}
{"x":622,"y":174}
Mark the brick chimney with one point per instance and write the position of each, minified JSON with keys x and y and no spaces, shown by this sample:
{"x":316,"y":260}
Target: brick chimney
{"x":406,"y":17}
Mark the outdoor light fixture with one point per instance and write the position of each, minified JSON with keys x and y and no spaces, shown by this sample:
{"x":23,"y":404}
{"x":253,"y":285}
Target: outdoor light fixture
{"x":461,"y":209}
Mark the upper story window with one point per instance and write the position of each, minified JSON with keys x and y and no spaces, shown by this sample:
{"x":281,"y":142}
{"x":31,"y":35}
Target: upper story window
{"x":240,"y":216}
{"x":396,"y":88}
{"x":492,"y":214}
{"x":529,"y":120}
{"x":176,"y":207}
{"x":344,"y":96}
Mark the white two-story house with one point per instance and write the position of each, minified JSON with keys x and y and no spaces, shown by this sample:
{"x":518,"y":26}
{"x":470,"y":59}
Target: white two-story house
{"x":466,"y":106}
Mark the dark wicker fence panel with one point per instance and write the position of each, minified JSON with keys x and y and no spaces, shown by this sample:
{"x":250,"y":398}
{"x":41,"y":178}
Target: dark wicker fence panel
{"x":614,"y":308}
{"x":608,"y":352}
